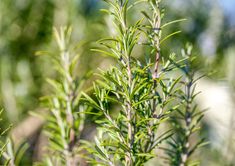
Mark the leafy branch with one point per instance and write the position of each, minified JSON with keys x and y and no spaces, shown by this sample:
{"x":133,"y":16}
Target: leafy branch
{"x":67,"y":121}
{"x":130,"y":136}
{"x":186,"y":121}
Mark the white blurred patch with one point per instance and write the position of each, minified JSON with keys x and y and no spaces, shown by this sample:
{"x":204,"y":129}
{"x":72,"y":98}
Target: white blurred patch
{"x":217,"y":98}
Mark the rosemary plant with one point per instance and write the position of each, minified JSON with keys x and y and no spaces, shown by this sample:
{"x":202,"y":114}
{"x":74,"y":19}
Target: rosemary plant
{"x":186,"y":120}
{"x":67,"y":121}
{"x":143,"y":95}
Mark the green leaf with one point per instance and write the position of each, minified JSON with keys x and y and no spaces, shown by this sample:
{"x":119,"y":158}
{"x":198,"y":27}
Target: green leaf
{"x":104,"y":53}
{"x":169,"y":36}
{"x":100,"y":152}
{"x":135,"y":3}
{"x":172,"y":22}
{"x":91,"y":102}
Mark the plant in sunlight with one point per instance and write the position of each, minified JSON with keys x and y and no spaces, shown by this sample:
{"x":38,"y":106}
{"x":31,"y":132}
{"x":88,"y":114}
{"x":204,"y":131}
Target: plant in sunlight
{"x":67,"y":114}
{"x":143,"y":92}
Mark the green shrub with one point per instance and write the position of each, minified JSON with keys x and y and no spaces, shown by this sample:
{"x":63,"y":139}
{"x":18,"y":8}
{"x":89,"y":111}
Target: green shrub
{"x":146,"y":94}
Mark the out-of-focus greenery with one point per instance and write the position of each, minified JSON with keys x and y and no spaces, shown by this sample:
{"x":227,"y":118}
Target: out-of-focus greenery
{"x":26,"y":27}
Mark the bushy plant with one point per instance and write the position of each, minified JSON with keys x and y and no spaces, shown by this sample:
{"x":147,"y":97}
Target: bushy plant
{"x":142,"y":102}
{"x":145,"y":93}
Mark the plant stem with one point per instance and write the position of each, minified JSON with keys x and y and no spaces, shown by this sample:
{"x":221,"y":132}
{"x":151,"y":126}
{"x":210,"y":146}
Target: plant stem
{"x":188,"y":120}
{"x":129,"y":112}
{"x":156,"y":30}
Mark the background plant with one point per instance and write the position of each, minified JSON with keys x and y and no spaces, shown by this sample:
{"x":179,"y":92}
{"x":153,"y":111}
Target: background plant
{"x":186,"y":120}
{"x":66,"y":122}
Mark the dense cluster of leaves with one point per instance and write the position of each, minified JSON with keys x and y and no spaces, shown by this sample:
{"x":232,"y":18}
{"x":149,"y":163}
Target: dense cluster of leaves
{"x":151,"y":106}
{"x":143,"y":92}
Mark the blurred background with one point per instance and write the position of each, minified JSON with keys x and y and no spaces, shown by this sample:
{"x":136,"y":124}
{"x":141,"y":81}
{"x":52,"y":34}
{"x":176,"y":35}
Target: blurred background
{"x":26,"y":26}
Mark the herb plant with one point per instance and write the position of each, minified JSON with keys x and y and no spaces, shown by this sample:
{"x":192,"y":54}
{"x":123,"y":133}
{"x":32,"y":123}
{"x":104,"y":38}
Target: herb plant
{"x":187,"y":118}
{"x":67,"y":121}
{"x":146,"y":99}
{"x":144,"y":92}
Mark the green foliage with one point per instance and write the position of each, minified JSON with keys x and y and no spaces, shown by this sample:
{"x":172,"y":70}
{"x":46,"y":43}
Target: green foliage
{"x":144,"y":93}
{"x":144,"y":103}
{"x":187,"y":118}
{"x":9,"y":154}
{"x":13,"y":156}
{"x":21,"y":33}
{"x":2,"y":132}
{"x":67,"y":121}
